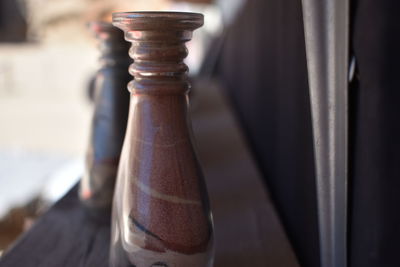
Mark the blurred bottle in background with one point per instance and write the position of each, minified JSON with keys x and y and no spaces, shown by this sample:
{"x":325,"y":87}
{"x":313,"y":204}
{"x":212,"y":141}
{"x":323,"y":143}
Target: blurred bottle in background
{"x":111,"y":99}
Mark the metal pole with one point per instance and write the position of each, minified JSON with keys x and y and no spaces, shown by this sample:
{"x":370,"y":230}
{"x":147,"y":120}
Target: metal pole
{"x":326,"y":24}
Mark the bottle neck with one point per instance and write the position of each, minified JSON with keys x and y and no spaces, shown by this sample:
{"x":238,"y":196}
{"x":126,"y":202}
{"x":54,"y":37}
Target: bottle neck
{"x":158,"y":65}
{"x":159,"y":90}
{"x":112,"y":46}
{"x":113,"y":54}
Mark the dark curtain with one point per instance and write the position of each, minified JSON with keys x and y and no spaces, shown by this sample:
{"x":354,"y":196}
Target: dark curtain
{"x":263,"y":66}
{"x":375,"y":190}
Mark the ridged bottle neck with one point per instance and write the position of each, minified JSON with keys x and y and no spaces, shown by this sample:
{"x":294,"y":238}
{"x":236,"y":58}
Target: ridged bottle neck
{"x":158,"y":65}
{"x":158,"y":49}
{"x":112,"y":46}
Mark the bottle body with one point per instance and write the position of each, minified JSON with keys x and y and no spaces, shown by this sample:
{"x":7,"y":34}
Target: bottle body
{"x":161,"y":214}
{"x":106,"y":138}
{"x":111,"y":101}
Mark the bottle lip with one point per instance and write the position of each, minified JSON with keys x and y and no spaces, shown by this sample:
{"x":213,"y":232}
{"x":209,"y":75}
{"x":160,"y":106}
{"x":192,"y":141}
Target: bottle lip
{"x":104,"y":30}
{"x":145,"y":20}
{"x":98,"y":26}
{"x":157,"y":14}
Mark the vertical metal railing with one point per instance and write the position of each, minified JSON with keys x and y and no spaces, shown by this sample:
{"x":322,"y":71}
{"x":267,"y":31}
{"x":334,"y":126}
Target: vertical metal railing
{"x":326,"y":24}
